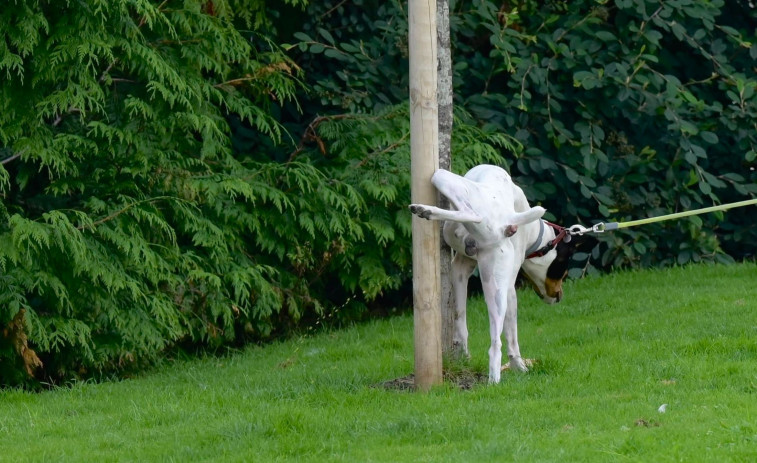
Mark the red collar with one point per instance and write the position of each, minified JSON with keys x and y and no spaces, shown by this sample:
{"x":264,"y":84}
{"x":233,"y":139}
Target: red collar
{"x":561,"y":232}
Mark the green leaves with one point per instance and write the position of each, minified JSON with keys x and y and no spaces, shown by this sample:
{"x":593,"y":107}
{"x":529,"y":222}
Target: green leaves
{"x":640,"y":106}
{"x":619,"y":110}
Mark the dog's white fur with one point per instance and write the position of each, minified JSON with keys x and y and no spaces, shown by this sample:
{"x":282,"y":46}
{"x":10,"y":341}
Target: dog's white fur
{"x":493,"y":220}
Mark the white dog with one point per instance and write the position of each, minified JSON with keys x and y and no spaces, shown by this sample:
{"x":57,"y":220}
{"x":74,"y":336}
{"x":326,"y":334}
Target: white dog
{"x":493,"y":226}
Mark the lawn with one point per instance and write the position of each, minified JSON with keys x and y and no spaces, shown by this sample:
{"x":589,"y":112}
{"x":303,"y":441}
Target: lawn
{"x":615,"y":350}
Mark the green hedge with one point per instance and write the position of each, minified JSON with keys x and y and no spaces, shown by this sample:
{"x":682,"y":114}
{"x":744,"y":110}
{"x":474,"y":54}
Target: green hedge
{"x":195,"y":173}
{"x":152,"y":195}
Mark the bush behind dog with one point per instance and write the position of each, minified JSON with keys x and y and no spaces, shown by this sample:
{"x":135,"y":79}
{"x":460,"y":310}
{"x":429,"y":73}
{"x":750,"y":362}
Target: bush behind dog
{"x":177,"y":180}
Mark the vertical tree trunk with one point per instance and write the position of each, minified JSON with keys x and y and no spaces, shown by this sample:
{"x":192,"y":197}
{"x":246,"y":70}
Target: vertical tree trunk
{"x":424,"y":149}
{"x":444,"y":96}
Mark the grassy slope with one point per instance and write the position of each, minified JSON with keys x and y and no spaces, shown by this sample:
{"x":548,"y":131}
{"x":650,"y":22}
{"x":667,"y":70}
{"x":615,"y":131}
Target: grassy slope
{"x":615,"y":350}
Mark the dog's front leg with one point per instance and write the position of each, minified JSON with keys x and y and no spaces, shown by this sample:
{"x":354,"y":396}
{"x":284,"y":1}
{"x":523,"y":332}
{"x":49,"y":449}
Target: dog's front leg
{"x":497,"y":306}
{"x":511,"y":332}
{"x":462,"y":268}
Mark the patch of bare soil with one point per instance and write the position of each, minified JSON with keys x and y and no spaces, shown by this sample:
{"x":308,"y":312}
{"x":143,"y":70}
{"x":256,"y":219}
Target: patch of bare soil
{"x":464,"y":379}
{"x":406,"y":383}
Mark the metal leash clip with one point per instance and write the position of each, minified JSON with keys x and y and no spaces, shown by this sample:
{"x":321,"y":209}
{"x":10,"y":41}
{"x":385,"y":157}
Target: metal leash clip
{"x":580,"y":229}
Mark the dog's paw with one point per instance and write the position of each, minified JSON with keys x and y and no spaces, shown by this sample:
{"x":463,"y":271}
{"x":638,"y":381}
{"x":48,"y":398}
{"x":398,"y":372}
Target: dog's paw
{"x":494,"y":376}
{"x":420,"y":211}
{"x":517,"y":364}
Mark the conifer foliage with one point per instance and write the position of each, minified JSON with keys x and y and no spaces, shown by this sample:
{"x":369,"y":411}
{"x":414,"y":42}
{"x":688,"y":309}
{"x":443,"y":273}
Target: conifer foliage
{"x":127,"y":222}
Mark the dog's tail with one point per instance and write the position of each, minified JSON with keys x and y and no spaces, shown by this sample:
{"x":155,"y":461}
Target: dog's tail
{"x":522,"y":218}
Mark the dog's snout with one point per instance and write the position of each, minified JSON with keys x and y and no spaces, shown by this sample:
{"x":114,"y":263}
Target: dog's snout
{"x":553,"y":289}
{"x":550,"y":299}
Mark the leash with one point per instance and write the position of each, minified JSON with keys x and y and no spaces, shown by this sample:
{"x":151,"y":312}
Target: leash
{"x":602,"y":227}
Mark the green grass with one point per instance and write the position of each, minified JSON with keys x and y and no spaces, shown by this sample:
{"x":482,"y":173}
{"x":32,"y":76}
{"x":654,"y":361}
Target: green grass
{"x":610,"y":354}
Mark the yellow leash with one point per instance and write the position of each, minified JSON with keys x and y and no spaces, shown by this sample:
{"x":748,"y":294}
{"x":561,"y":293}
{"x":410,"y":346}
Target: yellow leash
{"x":602,"y":227}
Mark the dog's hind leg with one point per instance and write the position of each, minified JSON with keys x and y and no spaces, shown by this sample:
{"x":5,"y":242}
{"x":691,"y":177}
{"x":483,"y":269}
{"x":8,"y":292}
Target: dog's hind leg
{"x":458,"y":190}
{"x":462,"y":268}
{"x":511,"y":332}
{"x":497,"y":278}
{"x":435,"y":213}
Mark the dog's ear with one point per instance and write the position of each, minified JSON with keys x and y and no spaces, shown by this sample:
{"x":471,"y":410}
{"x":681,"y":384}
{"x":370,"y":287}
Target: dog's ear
{"x":565,"y":250}
{"x":583,"y":243}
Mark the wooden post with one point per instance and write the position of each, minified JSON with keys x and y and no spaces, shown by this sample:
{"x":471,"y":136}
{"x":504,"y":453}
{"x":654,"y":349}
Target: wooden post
{"x":424,"y":160}
{"x":444,"y":98}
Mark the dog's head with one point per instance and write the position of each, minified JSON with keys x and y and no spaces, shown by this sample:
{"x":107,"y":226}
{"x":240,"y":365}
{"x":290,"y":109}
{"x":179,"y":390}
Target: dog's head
{"x":548,"y":272}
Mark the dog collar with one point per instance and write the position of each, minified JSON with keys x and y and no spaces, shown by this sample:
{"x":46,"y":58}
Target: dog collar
{"x":534,"y":247}
{"x":532,"y":251}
